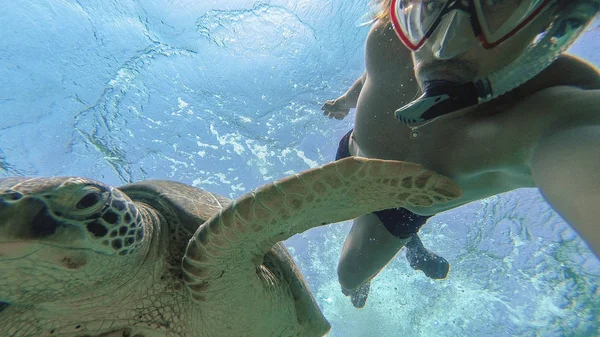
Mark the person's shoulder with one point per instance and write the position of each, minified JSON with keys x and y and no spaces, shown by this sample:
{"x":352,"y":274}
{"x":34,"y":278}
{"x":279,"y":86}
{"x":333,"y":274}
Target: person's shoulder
{"x":567,"y":70}
{"x":385,"y":55}
{"x":568,"y":84}
{"x":578,"y":72}
{"x":565,"y":106}
{"x":381,"y":30}
{"x":573,"y":85}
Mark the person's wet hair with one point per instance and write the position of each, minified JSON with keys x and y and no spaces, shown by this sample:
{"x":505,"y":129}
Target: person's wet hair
{"x":384,"y":10}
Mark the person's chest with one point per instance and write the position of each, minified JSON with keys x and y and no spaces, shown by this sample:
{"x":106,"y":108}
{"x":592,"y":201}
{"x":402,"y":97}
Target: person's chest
{"x":484,"y":156}
{"x":492,"y":142}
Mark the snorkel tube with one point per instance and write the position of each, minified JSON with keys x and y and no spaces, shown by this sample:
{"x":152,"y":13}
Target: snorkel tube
{"x":441,"y":97}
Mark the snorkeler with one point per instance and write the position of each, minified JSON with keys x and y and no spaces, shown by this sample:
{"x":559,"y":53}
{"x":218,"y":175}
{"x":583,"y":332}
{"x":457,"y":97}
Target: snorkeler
{"x":501,"y":108}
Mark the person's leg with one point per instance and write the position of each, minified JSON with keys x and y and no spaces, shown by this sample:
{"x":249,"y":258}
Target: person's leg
{"x":376,"y":238}
{"x":403,"y":223}
{"x":420,"y":258}
{"x":370,"y":246}
{"x":367,"y":250}
{"x":374,"y":241}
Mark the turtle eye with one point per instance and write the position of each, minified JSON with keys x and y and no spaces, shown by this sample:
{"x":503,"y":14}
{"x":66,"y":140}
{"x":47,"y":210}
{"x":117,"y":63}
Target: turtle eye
{"x":11,"y":195}
{"x":89,"y":200}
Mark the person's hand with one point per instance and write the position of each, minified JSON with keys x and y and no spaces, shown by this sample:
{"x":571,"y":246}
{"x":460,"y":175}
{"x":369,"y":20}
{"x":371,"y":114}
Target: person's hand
{"x":336,"y":108}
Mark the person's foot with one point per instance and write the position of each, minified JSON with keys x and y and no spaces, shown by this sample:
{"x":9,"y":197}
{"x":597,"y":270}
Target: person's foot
{"x":358,"y":296}
{"x":434,"y":266}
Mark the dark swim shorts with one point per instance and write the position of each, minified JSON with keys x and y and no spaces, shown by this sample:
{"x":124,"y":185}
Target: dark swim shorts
{"x":401,"y":222}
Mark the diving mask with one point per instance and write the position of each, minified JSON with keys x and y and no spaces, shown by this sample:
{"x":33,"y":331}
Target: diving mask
{"x":493,"y":22}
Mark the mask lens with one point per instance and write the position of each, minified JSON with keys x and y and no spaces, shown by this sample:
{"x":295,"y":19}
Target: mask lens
{"x":415,"y":19}
{"x":501,"y":18}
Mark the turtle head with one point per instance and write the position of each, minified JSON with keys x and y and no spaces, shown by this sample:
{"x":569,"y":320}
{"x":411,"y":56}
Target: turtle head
{"x":59,"y":234}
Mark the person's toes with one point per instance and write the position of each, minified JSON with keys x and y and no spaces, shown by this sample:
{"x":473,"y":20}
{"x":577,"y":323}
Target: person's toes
{"x":434,"y":266}
{"x":358,"y":296}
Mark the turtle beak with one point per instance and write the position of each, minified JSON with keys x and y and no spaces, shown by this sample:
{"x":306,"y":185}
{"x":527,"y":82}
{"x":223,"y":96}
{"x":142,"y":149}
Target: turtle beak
{"x":23,"y":214}
{"x":17,"y":215}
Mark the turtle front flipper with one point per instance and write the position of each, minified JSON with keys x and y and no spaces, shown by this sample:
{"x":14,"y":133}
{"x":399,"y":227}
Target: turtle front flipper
{"x":342,"y":190}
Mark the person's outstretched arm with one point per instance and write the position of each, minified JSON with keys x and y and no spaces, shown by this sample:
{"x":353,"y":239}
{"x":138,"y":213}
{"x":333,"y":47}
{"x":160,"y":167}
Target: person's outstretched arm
{"x":339,"y":108}
{"x":566,"y":167}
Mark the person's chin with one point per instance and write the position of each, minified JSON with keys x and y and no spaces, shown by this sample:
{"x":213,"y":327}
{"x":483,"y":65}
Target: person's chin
{"x":448,"y":71}
{"x":442,"y":76}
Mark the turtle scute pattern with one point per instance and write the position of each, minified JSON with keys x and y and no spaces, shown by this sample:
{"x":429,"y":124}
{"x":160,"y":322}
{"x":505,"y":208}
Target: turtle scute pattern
{"x":332,"y":193}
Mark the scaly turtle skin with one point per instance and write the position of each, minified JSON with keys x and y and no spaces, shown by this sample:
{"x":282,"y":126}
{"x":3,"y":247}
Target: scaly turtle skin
{"x":158,"y":258}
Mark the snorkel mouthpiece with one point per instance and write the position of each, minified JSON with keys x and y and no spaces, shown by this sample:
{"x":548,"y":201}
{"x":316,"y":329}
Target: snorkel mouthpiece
{"x":439,"y":98}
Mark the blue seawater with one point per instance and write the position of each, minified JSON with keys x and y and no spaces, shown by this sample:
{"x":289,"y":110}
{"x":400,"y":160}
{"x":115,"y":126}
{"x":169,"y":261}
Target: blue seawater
{"x":226,"y":96}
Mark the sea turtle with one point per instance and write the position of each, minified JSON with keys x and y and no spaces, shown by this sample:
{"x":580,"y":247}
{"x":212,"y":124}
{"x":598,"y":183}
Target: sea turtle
{"x":160,"y":258}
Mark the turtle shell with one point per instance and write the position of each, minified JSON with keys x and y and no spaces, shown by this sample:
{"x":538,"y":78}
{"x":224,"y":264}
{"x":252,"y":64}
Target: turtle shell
{"x":192,"y":206}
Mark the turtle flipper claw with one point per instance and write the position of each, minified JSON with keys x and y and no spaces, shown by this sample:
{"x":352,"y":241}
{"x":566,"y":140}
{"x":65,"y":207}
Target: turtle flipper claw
{"x":420,"y":258}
